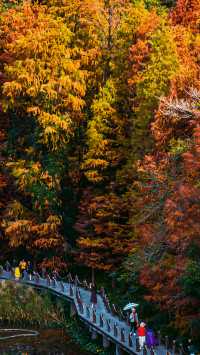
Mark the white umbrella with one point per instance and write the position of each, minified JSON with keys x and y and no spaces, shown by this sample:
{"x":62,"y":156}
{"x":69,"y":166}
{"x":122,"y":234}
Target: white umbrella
{"x":129,"y":306}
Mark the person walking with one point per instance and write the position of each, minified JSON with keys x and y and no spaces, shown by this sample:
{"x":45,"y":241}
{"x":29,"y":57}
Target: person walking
{"x":44,"y":272}
{"x":23,"y":266}
{"x":17,"y":273}
{"x":30,"y":270}
{"x":142,"y":335}
{"x":14,"y":265}
{"x":133,"y":321}
{"x":7,"y":266}
{"x":93,"y":298}
{"x":151,"y":340}
{"x":55,"y":275}
{"x":191,"y":348}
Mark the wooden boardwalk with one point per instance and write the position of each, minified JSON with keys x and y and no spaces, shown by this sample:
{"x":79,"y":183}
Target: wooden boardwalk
{"x":103,"y":320}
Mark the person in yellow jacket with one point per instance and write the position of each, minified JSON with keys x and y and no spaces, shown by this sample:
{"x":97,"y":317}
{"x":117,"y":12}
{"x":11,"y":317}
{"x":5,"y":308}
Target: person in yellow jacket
{"x":17,"y":273}
{"x":23,"y":266}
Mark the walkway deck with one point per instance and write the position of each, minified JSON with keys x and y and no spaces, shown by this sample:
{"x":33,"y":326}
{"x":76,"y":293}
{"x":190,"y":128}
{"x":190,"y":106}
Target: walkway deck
{"x":100,"y":321}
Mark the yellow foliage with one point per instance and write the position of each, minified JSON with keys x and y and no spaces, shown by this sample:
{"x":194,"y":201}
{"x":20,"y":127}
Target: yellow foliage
{"x":43,"y":77}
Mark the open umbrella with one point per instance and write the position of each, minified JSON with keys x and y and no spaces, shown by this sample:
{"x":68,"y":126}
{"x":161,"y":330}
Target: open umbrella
{"x":129,"y":306}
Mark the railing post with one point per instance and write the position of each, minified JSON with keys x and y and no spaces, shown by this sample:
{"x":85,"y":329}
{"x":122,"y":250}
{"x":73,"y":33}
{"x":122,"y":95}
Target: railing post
{"x":137,"y":345}
{"x":94,"y":334}
{"x":108,"y":325}
{"x":166,"y":341}
{"x":37,"y":278}
{"x":77,"y":281}
{"x":78,"y":295}
{"x":115,"y":330}
{"x":71,"y":292}
{"x":118,"y":350}
{"x":106,"y":342}
{"x":102,"y":292}
{"x":70,"y":279}
{"x":62,"y":286}
{"x":122,"y":335}
{"x":80,"y":305}
{"x":48,"y":281}
{"x":114,"y":310}
{"x":87,"y":311}
{"x":72,"y":310}
{"x":174,"y":346}
{"x":101,"y":320}
{"x":94,"y":317}
{"x":130,"y":342}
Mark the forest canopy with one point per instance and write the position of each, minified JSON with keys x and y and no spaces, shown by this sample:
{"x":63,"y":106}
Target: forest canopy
{"x":99,"y":142}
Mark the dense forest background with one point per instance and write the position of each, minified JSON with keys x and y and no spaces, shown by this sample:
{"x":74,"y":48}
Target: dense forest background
{"x":100,"y":144}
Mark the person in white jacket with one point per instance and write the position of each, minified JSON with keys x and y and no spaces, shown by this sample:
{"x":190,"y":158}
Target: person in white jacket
{"x":133,"y":321}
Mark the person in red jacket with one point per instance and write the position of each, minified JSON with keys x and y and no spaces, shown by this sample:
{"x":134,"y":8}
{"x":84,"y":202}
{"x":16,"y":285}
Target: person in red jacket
{"x":141,"y":330}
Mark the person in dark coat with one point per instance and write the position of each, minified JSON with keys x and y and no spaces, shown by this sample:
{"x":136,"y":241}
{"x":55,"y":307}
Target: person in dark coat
{"x":191,"y":348}
{"x":93,"y":298}
{"x":7,"y":266}
{"x":14,"y":263}
{"x":30,"y":270}
{"x":44,"y":272}
{"x":55,"y":275}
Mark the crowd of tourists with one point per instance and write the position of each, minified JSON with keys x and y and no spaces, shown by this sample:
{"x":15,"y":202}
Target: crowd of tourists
{"x":20,"y":269}
{"x":26,"y":269}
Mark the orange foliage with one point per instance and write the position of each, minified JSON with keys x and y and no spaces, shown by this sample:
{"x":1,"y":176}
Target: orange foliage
{"x":101,"y":224}
{"x":187,"y":13}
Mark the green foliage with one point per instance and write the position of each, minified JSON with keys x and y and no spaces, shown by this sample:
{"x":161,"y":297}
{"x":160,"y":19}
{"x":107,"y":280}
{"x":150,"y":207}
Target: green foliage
{"x":21,"y":304}
{"x":191,"y":279}
{"x":101,"y":134}
{"x":81,"y":337}
{"x":178,"y":146}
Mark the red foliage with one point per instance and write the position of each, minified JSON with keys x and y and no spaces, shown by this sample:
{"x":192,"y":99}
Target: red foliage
{"x":171,"y":204}
{"x":187,"y":13}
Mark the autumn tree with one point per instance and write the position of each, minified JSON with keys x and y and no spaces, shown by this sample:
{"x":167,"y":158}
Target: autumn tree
{"x":43,"y":93}
{"x":143,"y":60}
{"x":163,"y":206}
{"x":168,"y":225}
{"x":106,"y":142}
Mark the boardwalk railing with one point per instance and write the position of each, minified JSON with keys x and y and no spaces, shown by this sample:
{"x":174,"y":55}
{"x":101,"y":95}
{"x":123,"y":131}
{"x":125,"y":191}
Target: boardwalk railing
{"x":105,"y":319}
